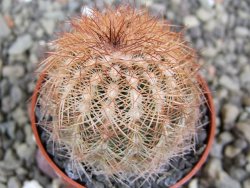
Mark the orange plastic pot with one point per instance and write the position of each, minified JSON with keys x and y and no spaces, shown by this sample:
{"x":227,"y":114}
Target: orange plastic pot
{"x":72,"y":183}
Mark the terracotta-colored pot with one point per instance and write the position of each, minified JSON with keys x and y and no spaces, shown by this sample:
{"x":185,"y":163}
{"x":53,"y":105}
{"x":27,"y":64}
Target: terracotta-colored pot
{"x":74,"y":184}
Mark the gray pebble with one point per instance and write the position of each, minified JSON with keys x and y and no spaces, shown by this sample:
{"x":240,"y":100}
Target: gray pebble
{"x":246,"y":183}
{"x":225,"y":138}
{"x":7,"y":104}
{"x":22,"y":44}
{"x":193,"y":183}
{"x":231,"y":151}
{"x":216,"y":150}
{"x":13,"y":71}
{"x":3,"y":179}
{"x":210,"y":25}
{"x":31,"y":183}
{"x":48,"y":25}
{"x":210,"y":52}
{"x":229,"y":83}
{"x":241,"y":143}
{"x":244,"y":128}
{"x":16,"y":94}
{"x":20,"y":116}
{"x":10,"y":161}
{"x":24,"y":151}
{"x":237,"y":173}
{"x":244,"y":76}
{"x":9,"y":127}
{"x":5,"y":30}
{"x":191,"y":21}
{"x":204,"y":14}
{"x":2,"y":185}
{"x":241,"y":31}
{"x":213,"y":167}
{"x":229,"y":114}
{"x":14,"y":183}
{"x":224,"y":180}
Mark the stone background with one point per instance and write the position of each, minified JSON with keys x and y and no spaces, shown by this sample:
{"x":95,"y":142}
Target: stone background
{"x":218,"y":29}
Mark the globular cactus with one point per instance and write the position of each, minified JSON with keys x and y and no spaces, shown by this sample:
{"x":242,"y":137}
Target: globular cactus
{"x":122,"y":93}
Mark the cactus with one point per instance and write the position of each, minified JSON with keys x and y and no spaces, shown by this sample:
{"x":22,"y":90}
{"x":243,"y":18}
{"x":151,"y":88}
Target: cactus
{"x":121,"y":92}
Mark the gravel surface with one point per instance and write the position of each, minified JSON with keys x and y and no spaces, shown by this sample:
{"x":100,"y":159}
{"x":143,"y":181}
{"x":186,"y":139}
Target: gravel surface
{"x":219,"y":30}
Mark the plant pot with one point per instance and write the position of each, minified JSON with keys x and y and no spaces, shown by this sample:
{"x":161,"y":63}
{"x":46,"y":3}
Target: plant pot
{"x":72,"y":183}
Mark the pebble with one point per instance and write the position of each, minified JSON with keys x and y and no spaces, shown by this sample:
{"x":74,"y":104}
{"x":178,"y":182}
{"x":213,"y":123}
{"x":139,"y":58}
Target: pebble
{"x":31,"y":184}
{"x":3,"y":179}
{"x":216,"y":150}
{"x":224,"y":180}
{"x":5,"y":30}
{"x":210,"y":25}
{"x":232,"y":151}
{"x":9,"y":128}
{"x":240,"y":160}
{"x":193,"y":183}
{"x":24,"y":151}
{"x":14,"y":183}
{"x":207,"y":3}
{"x":7,"y":104}
{"x":10,"y":162}
{"x":20,"y":116}
{"x":13,"y":71}
{"x":2,"y":185}
{"x":48,"y":25}
{"x":210,"y":52}
{"x":191,"y":21}
{"x":204,"y":14}
{"x":244,"y":128}
{"x":229,"y":114}
{"x":213,"y":167}
{"x":244,"y":76}
{"x":225,"y":137}
{"x":229,"y":83}
{"x":241,"y":31}
{"x":22,"y":44}
{"x":16,"y":94}
{"x":241,"y":143}
{"x":246,"y":183}
{"x":238,"y":173}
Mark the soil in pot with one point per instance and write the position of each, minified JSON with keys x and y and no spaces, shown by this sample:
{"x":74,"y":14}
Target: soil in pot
{"x":175,"y":170}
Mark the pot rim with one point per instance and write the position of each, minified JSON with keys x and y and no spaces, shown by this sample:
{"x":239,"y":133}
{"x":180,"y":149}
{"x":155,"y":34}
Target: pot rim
{"x":186,"y":178}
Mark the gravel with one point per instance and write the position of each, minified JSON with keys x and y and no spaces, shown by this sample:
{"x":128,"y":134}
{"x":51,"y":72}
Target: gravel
{"x":218,"y":29}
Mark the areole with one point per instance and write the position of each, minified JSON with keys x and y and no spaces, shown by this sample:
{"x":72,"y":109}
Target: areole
{"x":73,"y":183}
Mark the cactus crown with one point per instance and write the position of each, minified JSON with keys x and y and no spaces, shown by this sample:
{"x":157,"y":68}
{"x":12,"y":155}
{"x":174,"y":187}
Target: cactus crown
{"x":120,"y":88}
